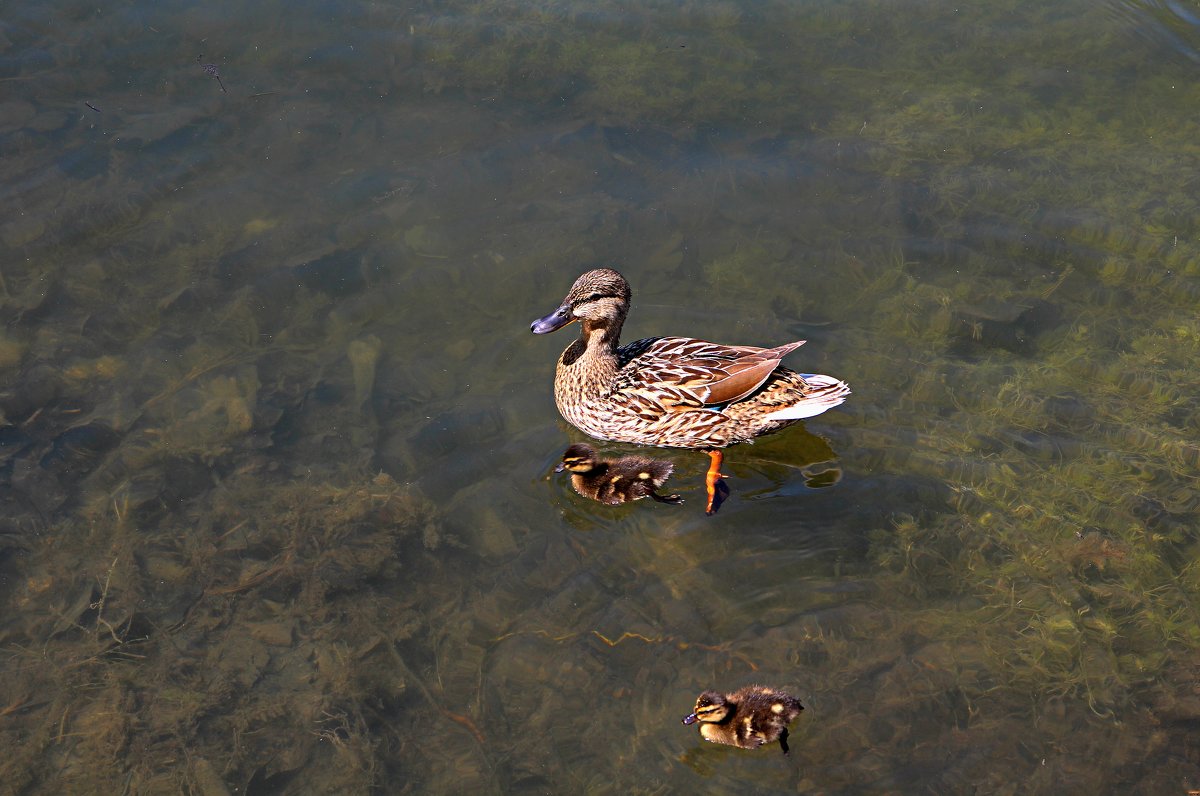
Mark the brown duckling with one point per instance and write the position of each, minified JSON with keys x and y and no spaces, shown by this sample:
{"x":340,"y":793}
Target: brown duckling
{"x":616,"y":481}
{"x":749,"y":717}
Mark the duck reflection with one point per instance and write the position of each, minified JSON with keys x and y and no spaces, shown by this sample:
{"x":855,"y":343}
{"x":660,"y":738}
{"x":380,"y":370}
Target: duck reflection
{"x":616,"y":481}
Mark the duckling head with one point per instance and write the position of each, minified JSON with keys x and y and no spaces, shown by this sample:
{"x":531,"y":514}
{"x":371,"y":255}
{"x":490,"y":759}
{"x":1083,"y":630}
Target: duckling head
{"x":579,"y":458}
{"x":711,"y":707}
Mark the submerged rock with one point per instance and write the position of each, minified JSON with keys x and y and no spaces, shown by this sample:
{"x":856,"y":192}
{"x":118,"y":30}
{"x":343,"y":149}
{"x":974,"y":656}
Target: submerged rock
{"x":77,"y":448}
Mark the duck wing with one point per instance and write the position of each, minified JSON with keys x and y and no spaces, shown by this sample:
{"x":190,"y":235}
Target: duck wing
{"x":682,"y":372}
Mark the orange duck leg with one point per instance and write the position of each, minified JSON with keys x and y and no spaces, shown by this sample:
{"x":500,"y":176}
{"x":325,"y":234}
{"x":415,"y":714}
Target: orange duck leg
{"x":712,"y":480}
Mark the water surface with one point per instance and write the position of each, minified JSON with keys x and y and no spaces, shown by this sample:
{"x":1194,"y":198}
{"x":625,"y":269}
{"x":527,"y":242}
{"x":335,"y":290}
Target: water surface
{"x":277,"y":446}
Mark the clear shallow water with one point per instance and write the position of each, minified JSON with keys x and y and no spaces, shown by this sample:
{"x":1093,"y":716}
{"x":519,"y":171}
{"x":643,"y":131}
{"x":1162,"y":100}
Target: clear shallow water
{"x":279,"y":513}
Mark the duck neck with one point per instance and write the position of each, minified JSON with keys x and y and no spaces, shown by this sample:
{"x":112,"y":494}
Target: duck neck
{"x":601,"y":336}
{"x":595,"y":350}
{"x":585,"y":374}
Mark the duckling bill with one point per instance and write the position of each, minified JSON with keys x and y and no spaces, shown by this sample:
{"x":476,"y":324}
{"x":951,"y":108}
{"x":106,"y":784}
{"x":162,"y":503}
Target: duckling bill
{"x":747,"y":718}
{"x":616,"y":481}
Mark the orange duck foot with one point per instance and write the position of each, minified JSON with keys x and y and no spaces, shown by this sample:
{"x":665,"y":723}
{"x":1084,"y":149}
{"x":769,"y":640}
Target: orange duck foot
{"x":712,"y":482}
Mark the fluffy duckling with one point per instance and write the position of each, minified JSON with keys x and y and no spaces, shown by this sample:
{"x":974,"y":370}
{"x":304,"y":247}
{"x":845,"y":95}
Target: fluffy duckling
{"x":616,"y":481}
{"x":749,"y":717}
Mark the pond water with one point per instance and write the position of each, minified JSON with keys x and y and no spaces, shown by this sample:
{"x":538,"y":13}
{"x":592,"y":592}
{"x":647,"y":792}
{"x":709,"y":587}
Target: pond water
{"x":279,"y":509}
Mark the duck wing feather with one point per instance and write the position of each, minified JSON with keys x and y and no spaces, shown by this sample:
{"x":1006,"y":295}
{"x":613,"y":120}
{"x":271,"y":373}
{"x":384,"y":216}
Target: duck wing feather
{"x":681,"y":372}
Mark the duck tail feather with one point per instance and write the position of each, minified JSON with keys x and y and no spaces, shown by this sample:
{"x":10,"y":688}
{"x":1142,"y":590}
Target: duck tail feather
{"x":825,"y":392}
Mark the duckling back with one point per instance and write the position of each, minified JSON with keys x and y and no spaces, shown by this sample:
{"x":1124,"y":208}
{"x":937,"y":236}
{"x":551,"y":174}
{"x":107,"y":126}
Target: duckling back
{"x":625,"y":479}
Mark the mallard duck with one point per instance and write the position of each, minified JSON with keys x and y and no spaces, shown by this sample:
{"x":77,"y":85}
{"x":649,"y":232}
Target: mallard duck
{"x":749,"y":717}
{"x":616,"y":481}
{"x":675,"y":392}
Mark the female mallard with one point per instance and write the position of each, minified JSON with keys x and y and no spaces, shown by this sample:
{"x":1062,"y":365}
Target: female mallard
{"x":675,"y":392}
{"x":616,"y":481}
{"x":749,"y":717}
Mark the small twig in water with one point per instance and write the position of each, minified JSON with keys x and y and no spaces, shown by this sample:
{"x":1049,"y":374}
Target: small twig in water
{"x":99,"y":604}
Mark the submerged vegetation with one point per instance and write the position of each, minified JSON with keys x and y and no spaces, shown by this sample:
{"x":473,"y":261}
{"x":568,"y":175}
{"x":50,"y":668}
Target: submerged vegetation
{"x":275,"y":450}
{"x":239,"y":642}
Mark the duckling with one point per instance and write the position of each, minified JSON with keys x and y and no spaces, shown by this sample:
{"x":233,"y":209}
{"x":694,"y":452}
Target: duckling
{"x":616,"y":481}
{"x":749,"y":717}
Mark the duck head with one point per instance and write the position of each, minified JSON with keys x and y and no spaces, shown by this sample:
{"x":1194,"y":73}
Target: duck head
{"x":599,"y":299}
{"x":711,"y":707}
{"x":578,"y":458}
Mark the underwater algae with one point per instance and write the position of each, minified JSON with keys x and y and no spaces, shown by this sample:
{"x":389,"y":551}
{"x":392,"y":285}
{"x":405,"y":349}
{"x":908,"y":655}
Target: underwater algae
{"x":209,"y":581}
{"x":161,"y":565}
{"x":167,"y":564}
{"x":1068,"y":554}
{"x":208,"y":646}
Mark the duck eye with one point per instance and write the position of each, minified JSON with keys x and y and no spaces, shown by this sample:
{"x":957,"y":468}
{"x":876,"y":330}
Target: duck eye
{"x":594,"y":297}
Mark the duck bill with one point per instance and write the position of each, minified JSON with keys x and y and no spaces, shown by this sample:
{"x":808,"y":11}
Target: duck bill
{"x":553,"y":322}
{"x":560,"y":467}
{"x":689,"y":718}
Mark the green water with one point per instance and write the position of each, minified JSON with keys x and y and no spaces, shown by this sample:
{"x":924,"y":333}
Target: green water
{"x":277,"y":447}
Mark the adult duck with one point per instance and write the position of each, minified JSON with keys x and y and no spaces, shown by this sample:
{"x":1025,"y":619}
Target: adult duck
{"x":675,"y":392}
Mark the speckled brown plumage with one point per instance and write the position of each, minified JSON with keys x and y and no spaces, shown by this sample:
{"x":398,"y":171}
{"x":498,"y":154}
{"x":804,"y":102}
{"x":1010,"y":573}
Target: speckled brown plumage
{"x":616,"y":481}
{"x":672,"y":391}
{"x":747,"y":718}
